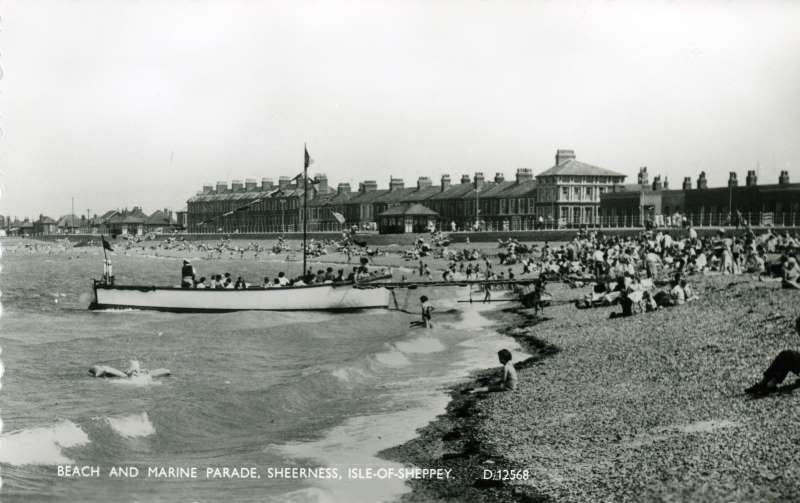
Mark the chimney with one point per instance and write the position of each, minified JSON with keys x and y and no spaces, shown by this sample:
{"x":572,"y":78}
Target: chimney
{"x":499,"y":178}
{"x":322,"y":185}
{"x":396,"y":184}
{"x":343,"y":188}
{"x":465,"y":179}
{"x":445,"y":182}
{"x":222,"y":187}
{"x":424,"y":182}
{"x":666,"y":183}
{"x":732,"y":181}
{"x":524,"y":175}
{"x":643,"y":178}
{"x":478,"y":180}
{"x":266,"y":184}
{"x":687,"y":183}
{"x":236,"y":186}
{"x":784,"y":178}
{"x":702,"y":182}
{"x":367,"y":186}
{"x":284,"y":182}
{"x":208,"y":189}
{"x":752,"y":179}
{"x":250,"y":185}
{"x":563,"y":155}
{"x":657,"y":183}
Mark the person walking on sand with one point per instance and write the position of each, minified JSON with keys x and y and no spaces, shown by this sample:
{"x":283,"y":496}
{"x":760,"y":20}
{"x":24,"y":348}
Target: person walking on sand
{"x":787,"y":361}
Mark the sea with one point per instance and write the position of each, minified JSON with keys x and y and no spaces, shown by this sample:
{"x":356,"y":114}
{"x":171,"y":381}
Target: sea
{"x":263,"y":390}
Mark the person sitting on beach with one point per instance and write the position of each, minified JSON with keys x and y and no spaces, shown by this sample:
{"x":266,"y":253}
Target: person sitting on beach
{"x":787,"y":361}
{"x":282,"y":279}
{"x":508,"y":380}
{"x":677,"y":295}
{"x":688,"y":291}
{"x":791,"y":274}
{"x":201,"y":283}
{"x":267,"y":283}
{"x":240,"y":284}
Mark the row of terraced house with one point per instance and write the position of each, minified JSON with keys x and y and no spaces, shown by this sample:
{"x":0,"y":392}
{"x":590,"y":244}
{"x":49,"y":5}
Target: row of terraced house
{"x":133,"y":222}
{"x":568,"y":193}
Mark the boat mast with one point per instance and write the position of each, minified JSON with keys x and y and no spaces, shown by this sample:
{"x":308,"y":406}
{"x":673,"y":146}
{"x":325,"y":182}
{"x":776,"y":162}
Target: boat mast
{"x":305,"y":204}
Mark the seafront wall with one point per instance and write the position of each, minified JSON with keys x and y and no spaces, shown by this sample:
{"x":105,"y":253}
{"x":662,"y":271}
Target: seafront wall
{"x":375,"y":239}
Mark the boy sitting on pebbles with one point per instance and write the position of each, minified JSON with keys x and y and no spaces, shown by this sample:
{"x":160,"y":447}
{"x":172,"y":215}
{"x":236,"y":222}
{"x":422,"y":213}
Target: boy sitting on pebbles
{"x":508,"y":382}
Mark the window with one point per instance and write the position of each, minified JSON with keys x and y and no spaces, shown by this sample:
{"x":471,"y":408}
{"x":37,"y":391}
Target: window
{"x":576,"y":194}
{"x":564,"y":193}
{"x":589,"y":193}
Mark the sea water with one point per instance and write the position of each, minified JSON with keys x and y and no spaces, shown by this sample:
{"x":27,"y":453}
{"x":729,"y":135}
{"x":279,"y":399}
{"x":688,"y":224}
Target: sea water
{"x":248,"y":389}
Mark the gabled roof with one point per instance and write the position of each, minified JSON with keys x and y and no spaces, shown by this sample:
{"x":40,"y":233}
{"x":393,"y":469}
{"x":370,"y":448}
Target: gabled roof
{"x":415,"y":209}
{"x":159,"y":217}
{"x":577,"y":168}
{"x":69,"y":221}
{"x":460,"y":191}
{"x":45,"y":220}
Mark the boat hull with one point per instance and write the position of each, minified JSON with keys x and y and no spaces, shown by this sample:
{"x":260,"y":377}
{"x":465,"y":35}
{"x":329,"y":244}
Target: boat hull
{"x":304,"y":298}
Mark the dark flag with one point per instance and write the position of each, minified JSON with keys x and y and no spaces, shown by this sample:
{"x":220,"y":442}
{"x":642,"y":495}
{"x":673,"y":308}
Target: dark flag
{"x":106,"y":244}
{"x":309,"y":160}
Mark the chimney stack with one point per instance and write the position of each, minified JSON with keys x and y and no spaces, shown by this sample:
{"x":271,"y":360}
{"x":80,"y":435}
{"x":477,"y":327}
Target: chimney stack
{"x":266,"y":184}
{"x":250,"y":185}
{"x":702,"y":182}
{"x":657,"y":183}
{"x":563,"y":155}
{"x":322,"y":183}
{"x":343,"y":188}
{"x":643,"y":178}
{"x":499,"y":178}
{"x":784,"y":178}
{"x":687,"y":183}
{"x":222,"y":187}
{"x":524,"y":175}
{"x":478,"y":181}
{"x":284,"y":182}
{"x":368,"y":186}
{"x":752,"y":179}
{"x":396,"y":184}
{"x":465,"y":179}
{"x":666,"y":183}
{"x":445,"y":182}
{"x":236,"y":186}
{"x":208,"y":189}
{"x":424,"y":182}
{"x":732,"y":181}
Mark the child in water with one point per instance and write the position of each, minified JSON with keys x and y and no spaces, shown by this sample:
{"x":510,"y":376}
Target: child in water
{"x":508,"y":381}
{"x":427,"y":309}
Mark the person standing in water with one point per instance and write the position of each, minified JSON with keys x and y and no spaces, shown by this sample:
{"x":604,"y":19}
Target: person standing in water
{"x":427,"y":310}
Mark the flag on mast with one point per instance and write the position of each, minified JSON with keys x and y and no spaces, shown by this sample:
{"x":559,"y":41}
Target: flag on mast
{"x":309,"y":160}
{"x":106,"y":244}
{"x":339,"y":217}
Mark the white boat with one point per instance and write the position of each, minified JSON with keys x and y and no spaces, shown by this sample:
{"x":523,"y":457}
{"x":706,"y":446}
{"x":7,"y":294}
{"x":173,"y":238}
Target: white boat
{"x":324,"y":297}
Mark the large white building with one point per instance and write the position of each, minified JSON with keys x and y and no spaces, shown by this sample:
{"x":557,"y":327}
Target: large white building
{"x":568,"y":194}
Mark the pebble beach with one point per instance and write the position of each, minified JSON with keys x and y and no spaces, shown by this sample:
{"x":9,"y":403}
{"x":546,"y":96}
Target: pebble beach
{"x":646,"y":408}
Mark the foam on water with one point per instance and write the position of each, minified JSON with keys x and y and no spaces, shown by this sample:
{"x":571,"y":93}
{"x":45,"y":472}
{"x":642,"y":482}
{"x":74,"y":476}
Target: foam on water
{"x":141,"y":380}
{"x":392,"y":358}
{"x":42,"y":445}
{"x":132,"y":426}
{"x":420,"y":345}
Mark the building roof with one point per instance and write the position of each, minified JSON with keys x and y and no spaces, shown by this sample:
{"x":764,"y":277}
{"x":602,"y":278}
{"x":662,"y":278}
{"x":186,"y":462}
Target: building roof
{"x":577,"y":168}
{"x":69,"y":221}
{"x":159,"y":217}
{"x":367,"y":197}
{"x":45,"y":220}
{"x":414,"y":209}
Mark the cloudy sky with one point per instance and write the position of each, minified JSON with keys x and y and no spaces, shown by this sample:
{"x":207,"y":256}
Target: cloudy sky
{"x":120,"y":103}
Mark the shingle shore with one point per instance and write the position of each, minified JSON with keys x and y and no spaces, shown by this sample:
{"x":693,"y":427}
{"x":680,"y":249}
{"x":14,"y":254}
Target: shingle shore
{"x":647,"y":408}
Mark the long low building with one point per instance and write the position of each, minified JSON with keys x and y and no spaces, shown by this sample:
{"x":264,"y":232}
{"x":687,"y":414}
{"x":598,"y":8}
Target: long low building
{"x":634,"y":205}
{"x":566,"y":194}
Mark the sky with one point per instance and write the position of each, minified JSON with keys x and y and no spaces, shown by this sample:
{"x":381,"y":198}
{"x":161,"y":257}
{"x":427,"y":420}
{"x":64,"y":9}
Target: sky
{"x":121,"y":103}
